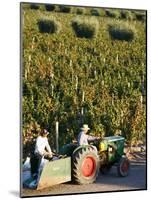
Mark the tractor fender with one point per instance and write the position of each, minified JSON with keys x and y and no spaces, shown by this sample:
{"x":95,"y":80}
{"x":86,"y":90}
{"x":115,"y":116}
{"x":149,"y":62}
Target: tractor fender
{"x":68,"y":149}
{"x":83,"y":147}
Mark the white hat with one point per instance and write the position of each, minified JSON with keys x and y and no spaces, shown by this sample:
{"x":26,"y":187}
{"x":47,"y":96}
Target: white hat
{"x":85,"y":127}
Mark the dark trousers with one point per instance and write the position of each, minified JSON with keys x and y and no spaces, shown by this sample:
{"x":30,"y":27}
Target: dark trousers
{"x":35,"y":162}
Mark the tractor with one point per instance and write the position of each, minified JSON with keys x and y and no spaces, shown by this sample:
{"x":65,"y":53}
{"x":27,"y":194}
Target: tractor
{"x":82,"y":164}
{"x":100,"y":155}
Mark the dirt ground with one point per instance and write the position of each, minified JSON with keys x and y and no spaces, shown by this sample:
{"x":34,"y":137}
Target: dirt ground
{"x":104,"y":183}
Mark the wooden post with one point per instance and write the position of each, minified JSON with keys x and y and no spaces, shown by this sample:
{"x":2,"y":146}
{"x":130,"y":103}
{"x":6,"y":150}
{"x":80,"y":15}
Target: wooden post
{"x":82,"y":115}
{"x":57,"y":136}
{"x":117,"y":59}
{"x":76,"y":85}
{"x":70,"y":64}
{"x":95,"y":73}
{"x":82,"y":111}
{"x":142,"y":84}
{"x":52,"y":88}
{"x":141,"y":100}
{"x":83,"y":96}
{"x":33,"y":42}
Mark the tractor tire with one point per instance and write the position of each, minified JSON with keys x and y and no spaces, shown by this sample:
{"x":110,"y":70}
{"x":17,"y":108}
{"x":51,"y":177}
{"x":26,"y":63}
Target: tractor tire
{"x":123,"y":167}
{"x":85,"y":166}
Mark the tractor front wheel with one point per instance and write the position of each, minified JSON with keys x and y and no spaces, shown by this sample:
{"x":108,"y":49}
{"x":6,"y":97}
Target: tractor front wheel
{"x":85,"y":165}
{"x":123,"y":167}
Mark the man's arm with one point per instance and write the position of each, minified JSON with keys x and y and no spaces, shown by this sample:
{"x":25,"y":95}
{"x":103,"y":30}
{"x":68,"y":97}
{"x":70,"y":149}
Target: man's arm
{"x":91,"y":138}
{"x":48,"y":147}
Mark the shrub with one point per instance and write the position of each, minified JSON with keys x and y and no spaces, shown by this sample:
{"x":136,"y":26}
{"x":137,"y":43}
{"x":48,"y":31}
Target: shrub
{"x":112,"y":13}
{"x":85,"y":28}
{"x":48,"y":25}
{"x":122,"y":31}
{"x":80,"y":11}
{"x":50,"y":7}
{"x":126,"y":14}
{"x":140,"y":16}
{"x":95,"y":12}
{"x":34,"y":6}
{"x":65,"y":9}
{"x":102,"y":12}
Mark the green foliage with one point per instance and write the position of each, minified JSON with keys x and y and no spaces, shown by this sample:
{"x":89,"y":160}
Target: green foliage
{"x":99,"y":82}
{"x":140,"y":15}
{"x":30,"y":132}
{"x":127,"y":14}
{"x":112,"y":13}
{"x":138,"y":121}
{"x":85,"y":27}
{"x":80,"y":11}
{"x":50,"y":7}
{"x":65,"y":9}
{"x":34,"y":6}
{"x":122,"y":31}
{"x":48,"y":25}
{"x":95,"y":12}
{"x":102,"y":12}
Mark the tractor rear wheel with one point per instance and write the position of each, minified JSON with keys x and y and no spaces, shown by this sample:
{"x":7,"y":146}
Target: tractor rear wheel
{"x":85,"y":165}
{"x":123,"y":167}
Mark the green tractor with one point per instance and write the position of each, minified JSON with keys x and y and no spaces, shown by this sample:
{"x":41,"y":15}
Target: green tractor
{"x":101,"y":155}
{"x":81,"y":164}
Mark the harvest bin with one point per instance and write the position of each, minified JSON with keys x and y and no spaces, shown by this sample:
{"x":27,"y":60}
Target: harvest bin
{"x":53,"y":173}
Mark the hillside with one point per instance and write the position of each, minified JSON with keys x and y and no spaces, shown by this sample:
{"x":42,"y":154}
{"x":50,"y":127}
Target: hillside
{"x":99,"y":81}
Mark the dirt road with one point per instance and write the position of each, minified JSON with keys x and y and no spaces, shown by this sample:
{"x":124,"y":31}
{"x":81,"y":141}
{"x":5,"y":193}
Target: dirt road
{"x":110,"y":182}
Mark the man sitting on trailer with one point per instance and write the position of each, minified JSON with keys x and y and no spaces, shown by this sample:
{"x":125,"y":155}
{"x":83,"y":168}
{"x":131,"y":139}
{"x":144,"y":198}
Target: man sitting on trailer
{"x":42,"y":149}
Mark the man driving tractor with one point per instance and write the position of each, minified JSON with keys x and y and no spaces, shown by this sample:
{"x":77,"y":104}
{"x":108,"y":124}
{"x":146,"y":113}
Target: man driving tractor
{"x":83,"y":137}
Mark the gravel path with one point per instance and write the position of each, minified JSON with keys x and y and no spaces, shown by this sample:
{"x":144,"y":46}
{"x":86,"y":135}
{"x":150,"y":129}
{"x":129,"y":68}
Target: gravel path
{"x":104,"y":183}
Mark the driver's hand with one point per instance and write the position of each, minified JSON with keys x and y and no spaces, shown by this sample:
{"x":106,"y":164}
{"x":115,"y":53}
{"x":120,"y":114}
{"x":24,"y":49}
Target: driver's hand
{"x":48,"y":154}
